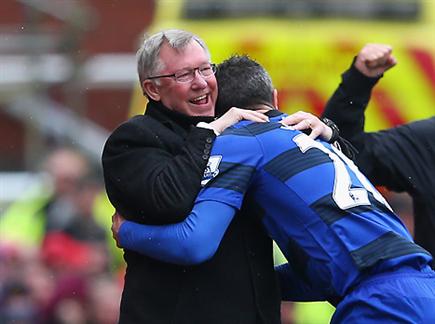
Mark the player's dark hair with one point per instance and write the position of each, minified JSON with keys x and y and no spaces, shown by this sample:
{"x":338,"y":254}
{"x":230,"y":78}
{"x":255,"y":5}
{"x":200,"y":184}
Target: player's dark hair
{"x":243,"y":83}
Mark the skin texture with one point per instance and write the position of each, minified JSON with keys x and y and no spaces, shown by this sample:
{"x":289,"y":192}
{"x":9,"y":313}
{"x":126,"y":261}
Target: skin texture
{"x":302,"y":120}
{"x":180,"y":96}
{"x":374,"y":59}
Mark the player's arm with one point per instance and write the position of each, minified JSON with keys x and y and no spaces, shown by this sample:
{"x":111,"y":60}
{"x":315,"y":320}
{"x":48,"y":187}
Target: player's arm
{"x":192,"y":241}
{"x":196,"y":239}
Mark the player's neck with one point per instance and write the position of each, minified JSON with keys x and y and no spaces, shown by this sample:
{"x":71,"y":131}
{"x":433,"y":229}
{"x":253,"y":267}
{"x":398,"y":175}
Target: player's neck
{"x":263,"y":106}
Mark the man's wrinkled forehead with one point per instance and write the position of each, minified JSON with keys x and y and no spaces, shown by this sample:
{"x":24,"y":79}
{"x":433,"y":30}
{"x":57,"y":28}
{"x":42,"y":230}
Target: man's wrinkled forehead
{"x":182,"y":57}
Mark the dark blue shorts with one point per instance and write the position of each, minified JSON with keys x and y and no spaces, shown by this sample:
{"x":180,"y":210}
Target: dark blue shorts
{"x":404,"y":296}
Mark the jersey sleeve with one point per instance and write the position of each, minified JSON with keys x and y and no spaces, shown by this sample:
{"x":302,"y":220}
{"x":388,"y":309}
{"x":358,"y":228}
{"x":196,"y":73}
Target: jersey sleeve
{"x":231,"y":169}
{"x":192,"y":241}
{"x":229,"y":172}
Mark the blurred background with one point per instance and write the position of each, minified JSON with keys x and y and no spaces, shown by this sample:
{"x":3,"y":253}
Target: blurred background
{"x":68,"y":78}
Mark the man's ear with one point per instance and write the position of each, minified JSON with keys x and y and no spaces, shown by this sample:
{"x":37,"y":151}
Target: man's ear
{"x":275,"y":98}
{"x":151,"y":90}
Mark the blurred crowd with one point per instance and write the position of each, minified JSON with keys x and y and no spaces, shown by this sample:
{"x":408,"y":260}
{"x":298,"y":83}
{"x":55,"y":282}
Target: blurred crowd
{"x":58,"y":263}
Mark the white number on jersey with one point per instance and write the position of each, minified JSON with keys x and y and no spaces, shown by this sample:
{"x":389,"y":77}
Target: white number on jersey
{"x":344,"y":196}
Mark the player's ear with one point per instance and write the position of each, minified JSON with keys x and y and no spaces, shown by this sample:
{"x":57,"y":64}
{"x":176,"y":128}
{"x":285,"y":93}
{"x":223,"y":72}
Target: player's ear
{"x":151,"y":90}
{"x":275,"y":98}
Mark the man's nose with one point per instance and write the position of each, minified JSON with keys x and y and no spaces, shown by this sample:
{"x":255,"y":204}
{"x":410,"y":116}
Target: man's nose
{"x":198,"y":80}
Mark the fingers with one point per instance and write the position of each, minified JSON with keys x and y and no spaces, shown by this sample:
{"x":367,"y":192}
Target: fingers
{"x":291,"y":120}
{"x":315,"y":132}
{"x":238,"y":114}
{"x":316,"y":128}
{"x":391,"y":61}
{"x":303,"y":124}
{"x":375,"y":53}
{"x":234,"y":115}
{"x":252,"y":115}
{"x":302,"y":120}
{"x":374,"y":59}
{"x":297,"y":120}
{"x":117,"y":221}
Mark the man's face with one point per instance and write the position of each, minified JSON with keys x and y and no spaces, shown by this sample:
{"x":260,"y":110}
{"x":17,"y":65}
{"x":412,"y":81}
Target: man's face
{"x":194,"y":98}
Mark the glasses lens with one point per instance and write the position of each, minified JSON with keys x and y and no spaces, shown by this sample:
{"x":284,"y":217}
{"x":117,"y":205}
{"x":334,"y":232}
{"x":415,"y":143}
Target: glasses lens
{"x":207,"y":70}
{"x":188,"y":75}
{"x":185,"y":75}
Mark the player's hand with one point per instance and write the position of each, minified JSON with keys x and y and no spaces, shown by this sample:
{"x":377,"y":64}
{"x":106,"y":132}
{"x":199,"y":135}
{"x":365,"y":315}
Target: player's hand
{"x":374,"y":59}
{"x":302,"y":120}
{"x":234,"y":115}
{"x":117,"y":221}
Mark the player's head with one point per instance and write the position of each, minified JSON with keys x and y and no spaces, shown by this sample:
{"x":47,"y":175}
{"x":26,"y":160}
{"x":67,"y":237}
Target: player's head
{"x":243,"y":83}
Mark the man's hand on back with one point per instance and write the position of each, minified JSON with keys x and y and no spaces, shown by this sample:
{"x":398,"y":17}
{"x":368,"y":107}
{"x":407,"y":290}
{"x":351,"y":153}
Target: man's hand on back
{"x":302,"y":120}
{"x":233,"y":116}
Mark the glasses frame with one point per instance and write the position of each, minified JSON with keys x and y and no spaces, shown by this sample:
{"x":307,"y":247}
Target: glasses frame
{"x":174,"y":75}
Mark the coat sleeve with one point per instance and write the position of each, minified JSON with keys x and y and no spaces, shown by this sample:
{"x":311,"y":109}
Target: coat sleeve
{"x":147,"y":183}
{"x":347,"y":105}
{"x":346,"y":108}
{"x":386,"y":157}
{"x":398,"y":157}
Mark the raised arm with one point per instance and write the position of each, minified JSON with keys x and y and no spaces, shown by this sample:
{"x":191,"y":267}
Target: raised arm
{"x":192,"y":241}
{"x":347,"y":105}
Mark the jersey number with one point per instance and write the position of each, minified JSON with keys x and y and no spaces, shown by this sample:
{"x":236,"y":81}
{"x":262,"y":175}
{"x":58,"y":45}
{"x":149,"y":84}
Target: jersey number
{"x":343,"y":194}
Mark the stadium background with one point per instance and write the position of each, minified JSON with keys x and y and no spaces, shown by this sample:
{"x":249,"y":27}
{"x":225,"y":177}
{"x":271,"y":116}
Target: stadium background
{"x":67,"y":75}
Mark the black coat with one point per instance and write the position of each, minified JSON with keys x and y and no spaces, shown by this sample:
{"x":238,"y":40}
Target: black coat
{"x":153,"y":165}
{"x":401,"y":158}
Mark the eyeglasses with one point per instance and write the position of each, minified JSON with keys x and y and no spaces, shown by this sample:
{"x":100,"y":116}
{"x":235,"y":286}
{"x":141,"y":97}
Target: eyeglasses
{"x":183,"y":76}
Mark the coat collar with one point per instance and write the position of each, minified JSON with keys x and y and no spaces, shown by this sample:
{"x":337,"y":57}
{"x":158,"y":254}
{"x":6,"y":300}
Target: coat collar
{"x":158,"y":111}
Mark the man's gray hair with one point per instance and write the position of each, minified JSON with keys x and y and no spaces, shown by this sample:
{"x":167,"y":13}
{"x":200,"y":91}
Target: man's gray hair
{"x":148,"y":61}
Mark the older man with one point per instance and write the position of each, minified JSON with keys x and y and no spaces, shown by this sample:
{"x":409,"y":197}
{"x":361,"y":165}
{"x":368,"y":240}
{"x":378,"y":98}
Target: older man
{"x":153,"y":166}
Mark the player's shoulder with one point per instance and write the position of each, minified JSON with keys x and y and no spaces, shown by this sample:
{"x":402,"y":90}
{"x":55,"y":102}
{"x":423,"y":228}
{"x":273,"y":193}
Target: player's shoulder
{"x":250,"y":129}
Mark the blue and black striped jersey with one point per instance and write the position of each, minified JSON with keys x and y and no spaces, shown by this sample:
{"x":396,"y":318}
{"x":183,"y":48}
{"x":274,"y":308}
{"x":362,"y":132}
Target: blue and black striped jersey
{"x":329,"y":221}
